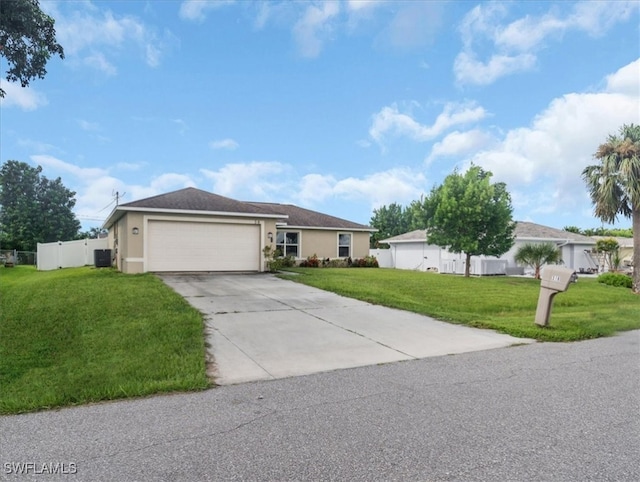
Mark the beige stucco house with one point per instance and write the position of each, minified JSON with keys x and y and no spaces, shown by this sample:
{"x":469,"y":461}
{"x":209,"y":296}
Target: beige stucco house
{"x":195,"y":230}
{"x":625,"y":251}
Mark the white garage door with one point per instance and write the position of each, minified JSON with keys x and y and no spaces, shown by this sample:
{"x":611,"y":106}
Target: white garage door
{"x":190,"y":246}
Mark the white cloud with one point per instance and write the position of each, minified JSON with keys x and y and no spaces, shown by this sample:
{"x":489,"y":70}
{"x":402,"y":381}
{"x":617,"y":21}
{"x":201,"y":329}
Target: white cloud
{"x":391,"y":121}
{"x":60,"y":166}
{"x":130,"y":166}
{"x":196,"y":10}
{"x":85,"y":125}
{"x":625,"y":80}
{"x":360,"y":5}
{"x":415,"y":24}
{"x":528,"y":32}
{"x":253,"y":178}
{"x":516,"y":43}
{"x":314,"y":28}
{"x":98,"y":61}
{"x":229,"y":144}
{"x":596,"y":18}
{"x":459,"y":143}
{"x":171,"y":181}
{"x":183,"y":127}
{"x":152,"y":55}
{"x":549,"y":156}
{"x":315,"y":188}
{"x":470,"y":70}
{"x":95,"y":187}
{"x":37,"y":146}
{"x":395,"y":185}
{"x":25,"y":98}
{"x":89,"y":34}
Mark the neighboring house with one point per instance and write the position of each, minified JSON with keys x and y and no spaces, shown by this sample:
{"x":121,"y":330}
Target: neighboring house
{"x":411,"y":251}
{"x":575,"y":248}
{"x":194,"y":230}
{"x":625,"y":252}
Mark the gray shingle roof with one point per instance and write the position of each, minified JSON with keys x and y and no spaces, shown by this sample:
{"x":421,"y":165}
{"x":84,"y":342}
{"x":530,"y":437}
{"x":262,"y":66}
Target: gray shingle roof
{"x":301,"y":217}
{"x":623,"y":242}
{"x":412,"y":236}
{"x":524,"y":230}
{"x":192,"y":199}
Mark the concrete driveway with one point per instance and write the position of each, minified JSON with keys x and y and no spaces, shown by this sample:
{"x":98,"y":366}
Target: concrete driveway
{"x":260,"y":327}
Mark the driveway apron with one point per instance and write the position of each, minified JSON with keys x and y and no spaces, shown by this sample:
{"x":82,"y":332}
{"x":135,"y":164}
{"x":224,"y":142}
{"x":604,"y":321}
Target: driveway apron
{"x":260,"y":327}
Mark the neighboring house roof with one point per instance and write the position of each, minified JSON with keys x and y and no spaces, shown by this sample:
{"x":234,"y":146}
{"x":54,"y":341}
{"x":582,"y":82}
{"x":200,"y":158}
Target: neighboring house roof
{"x":622,"y":242}
{"x":298,"y":217}
{"x":532,"y":231}
{"x":196,"y":201}
{"x":524,"y":231}
{"x":419,"y":235}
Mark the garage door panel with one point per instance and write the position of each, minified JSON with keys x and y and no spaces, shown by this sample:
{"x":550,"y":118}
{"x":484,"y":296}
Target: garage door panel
{"x":196,"y":246}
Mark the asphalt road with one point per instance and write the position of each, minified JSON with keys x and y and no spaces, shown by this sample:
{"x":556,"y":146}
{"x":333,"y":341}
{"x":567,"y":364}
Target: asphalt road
{"x":543,"y":412}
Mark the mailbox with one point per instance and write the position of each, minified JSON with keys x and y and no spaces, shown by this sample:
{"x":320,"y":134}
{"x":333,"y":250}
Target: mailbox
{"x":554,"y":280}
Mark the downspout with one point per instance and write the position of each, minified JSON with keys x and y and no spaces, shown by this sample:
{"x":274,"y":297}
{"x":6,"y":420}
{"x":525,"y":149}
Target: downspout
{"x":561,"y":245}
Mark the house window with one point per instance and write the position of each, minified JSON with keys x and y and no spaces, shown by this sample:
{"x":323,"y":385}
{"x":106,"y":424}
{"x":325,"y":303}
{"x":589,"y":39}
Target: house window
{"x":288,"y":243}
{"x":344,"y":245}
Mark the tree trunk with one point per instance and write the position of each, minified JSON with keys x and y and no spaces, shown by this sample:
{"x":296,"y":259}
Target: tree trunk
{"x":636,"y":250}
{"x":467,"y":265}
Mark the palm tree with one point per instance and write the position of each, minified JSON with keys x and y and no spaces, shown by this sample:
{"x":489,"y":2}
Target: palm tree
{"x":614,"y":185}
{"x":537,"y":255}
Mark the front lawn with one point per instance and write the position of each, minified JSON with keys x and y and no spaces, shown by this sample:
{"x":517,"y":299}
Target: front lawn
{"x":587,"y":309}
{"x":83,"y":334}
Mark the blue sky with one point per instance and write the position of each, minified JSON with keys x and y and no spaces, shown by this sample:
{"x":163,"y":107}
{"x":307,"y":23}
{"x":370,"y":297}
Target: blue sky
{"x":337,"y":106}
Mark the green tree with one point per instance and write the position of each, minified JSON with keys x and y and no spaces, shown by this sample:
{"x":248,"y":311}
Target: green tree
{"x":468,"y":214}
{"x":614,"y":185}
{"x":389,"y":221}
{"x":92,"y":233}
{"x":609,"y":248}
{"x":536,"y":255}
{"x":27,"y":40}
{"x":572,"y":229}
{"x":34,"y":209}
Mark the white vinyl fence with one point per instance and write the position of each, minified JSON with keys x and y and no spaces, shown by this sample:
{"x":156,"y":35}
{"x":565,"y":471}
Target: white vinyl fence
{"x":68,"y":254}
{"x":383,"y":256}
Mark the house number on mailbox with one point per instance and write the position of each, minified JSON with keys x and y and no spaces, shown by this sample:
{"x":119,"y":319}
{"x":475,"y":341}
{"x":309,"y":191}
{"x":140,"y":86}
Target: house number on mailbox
{"x":555,"y":278}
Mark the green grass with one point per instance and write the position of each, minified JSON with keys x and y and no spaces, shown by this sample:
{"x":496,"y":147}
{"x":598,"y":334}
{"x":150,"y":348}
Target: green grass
{"x":81,"y":335}
{"x":588,"y":309}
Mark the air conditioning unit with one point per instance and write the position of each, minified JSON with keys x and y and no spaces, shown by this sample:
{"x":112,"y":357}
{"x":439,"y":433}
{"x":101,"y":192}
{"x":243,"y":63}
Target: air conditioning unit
{"x":102,"y":258}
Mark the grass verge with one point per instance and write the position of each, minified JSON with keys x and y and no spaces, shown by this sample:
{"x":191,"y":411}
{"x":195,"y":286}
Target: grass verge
{"x":588,"y":309}
{"x":81,"y":335}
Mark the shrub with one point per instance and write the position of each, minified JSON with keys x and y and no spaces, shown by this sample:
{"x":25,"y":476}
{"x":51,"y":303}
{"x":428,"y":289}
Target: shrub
{"x":366,"y":262}
{"x":311,"y":262}
{"x":334,"y":263}
{"x":615,"y":279}
{"x":288,"y":261}
{"x":275,"y":260}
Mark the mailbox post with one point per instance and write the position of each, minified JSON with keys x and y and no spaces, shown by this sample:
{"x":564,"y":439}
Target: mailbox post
{"x":554,"y":280}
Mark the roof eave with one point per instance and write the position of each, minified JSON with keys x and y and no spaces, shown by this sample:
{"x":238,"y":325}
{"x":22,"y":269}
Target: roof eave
{"x":554,"y":240}
{"x":402,"y":241}
{"x":113,"y":217}
{"x":326,"y":228}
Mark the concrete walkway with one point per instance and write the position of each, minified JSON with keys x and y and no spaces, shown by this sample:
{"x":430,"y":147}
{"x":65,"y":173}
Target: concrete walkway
{"x":260,"y":327}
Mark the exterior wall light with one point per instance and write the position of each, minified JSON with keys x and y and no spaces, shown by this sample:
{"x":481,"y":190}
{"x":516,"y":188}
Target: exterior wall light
{"x":135,"y":231}
{"x":270,"y":236}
